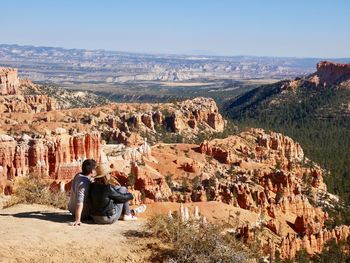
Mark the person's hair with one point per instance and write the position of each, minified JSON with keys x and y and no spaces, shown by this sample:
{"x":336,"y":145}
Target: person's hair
{"x":101,"y":180}
{"x":88,"y":166}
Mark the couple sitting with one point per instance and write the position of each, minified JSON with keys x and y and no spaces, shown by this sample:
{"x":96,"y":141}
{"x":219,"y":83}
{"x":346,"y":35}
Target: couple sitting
{"x":93,"y":195}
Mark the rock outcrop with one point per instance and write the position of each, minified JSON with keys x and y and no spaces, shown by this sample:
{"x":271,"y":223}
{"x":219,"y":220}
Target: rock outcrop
{"x":195,"y":112}
{"x":9,"y":81}
{"x":27,"y":104}
{"x":151,"y":182}
{"x":57,"y":156}
{"x":329,"y":74}
{"x":11,"y":99}
{"x":264,"y":173}
{"x":312,"y":243}
{"x":117,"y":122}
{"x":273,"y":148}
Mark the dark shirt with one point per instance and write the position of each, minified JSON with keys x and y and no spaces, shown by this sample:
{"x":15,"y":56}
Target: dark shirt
{"x":104,"y":197}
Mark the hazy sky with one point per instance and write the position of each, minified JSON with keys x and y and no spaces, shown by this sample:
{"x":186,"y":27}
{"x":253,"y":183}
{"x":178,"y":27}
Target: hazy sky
{"x":303,"y":28}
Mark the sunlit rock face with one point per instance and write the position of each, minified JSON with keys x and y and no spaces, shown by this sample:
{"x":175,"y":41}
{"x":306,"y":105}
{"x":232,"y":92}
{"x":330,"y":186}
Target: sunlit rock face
{"x":56,"y":156}
{"x":11,"y":99}
{"x":329,"y":73}
{"x":9,"y":81}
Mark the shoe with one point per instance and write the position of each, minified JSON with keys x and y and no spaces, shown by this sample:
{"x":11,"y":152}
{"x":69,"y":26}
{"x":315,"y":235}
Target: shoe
{"x":129,"y":217}
{"x":140,"y":209}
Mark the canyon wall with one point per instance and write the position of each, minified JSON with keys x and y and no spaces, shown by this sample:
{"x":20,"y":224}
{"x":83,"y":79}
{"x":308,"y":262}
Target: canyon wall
{"x":11,"y":99}
{"x":9,"y":81}
{"x":57,"y":156}
{"x":329,"y":73}
{"x":27,"y":104}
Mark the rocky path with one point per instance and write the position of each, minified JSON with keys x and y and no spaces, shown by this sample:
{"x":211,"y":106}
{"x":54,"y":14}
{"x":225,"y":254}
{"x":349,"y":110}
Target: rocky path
{"x":34,"y":233}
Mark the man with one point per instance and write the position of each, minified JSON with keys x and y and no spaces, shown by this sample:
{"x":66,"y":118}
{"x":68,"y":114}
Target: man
{"x":78,"y":202}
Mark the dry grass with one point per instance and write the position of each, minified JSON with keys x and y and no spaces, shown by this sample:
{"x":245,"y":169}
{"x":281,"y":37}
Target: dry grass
{"x":194,"y":242}
{"x":34,"y":190}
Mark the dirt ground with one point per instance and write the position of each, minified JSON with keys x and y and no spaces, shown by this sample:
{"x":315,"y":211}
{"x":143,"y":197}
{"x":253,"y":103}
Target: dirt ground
{"x":34,"y":233}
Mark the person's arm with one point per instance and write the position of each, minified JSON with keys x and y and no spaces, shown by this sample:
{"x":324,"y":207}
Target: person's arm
{"x":119,"y":197}
{"x":78,"y":211}
{"x":81,"y":194}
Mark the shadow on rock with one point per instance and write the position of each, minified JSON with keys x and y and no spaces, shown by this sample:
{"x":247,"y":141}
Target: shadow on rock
{"x":159,"y":252}
{"x":57,"y":217}
{"x":136,"y":233}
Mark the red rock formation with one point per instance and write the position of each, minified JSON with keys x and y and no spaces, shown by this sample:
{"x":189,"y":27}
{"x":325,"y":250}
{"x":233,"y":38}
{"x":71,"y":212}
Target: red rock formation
{"x":27,"y":104}
{"x":272,"y":148}
{"x":191,"y":114}
{"x":202,"y":110}
{"x":312,"y":243}
{"x":269,"y":176}
{"x":118,"y":123}
{"x":66,"y":153}
{"x":271,"y":224}
{"x":57,"y":157}
{"x":301,"y":224}
{"x":270,"y":161}
{"x":40,"y":103}
{"x":329,"y":73}
{"x":12,"y":101}
{"x":9,"y":81}
{"x":151,"y":182}
{"x":190,"y":167}
{"x":8,"y":152}
{"x":176,"y":122}
{"x":222,"y":155}
{"x":283,"y":144}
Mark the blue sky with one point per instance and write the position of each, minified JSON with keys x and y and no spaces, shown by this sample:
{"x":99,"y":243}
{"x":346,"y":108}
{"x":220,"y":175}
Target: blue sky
{"x":301,"y":28}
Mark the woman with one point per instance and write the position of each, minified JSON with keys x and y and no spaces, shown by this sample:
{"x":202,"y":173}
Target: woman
{"x":110,"y":203}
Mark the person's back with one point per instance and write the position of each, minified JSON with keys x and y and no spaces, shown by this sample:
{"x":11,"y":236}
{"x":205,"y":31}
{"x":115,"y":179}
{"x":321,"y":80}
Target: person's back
{"x":105,"y":196}
{"x":79,"y":194}
{"x":109,"y":203}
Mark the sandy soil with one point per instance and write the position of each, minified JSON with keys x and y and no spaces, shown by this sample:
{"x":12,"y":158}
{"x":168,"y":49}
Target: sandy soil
{"x":34,"y":233}
{"x":217,"y":212}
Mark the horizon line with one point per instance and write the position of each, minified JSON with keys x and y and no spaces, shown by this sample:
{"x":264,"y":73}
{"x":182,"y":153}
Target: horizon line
{"x":171,"y":53}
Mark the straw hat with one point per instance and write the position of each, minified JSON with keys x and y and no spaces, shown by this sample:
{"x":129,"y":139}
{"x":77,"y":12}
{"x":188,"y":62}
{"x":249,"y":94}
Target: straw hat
{"x":102,"y":170}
